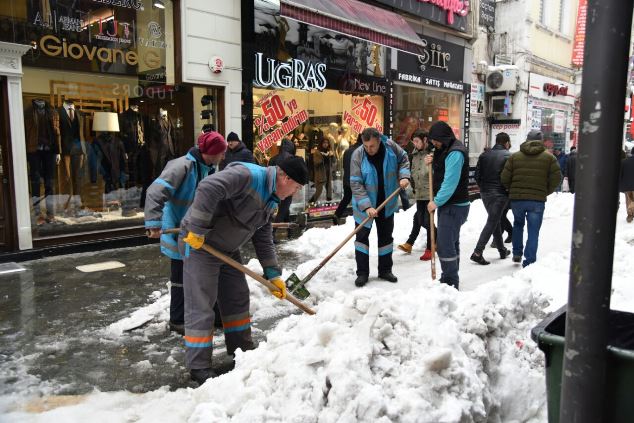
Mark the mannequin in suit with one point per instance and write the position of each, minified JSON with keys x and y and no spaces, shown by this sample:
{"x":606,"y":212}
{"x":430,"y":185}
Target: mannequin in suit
{"x":160,"y":147}
{"x":73,"y":154}
{"x":132,"y":133}
{"x":41,"y":124}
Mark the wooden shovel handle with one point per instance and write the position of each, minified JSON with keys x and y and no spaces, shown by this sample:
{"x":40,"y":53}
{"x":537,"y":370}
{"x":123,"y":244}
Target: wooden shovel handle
{"x":431,"y":226}
{"x":231,"y":262}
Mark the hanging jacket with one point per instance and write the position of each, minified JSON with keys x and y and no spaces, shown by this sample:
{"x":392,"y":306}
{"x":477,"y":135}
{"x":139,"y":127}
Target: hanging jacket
{"x":364,"y":179}
{"x":234,"y":206}
{"x":170,"y":196}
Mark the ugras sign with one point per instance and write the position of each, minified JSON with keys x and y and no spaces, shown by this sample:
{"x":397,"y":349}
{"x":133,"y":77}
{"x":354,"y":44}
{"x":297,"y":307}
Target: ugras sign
{"x":292,"y":74}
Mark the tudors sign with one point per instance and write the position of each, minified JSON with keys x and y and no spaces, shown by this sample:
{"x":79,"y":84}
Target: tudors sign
{"x":451,"y":13}
{"x":292,"y":74}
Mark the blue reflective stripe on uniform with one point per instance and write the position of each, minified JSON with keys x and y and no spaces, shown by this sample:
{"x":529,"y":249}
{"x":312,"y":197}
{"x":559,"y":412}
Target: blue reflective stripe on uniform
{"x":199,"y":344}
{"x":238,"y":328}
{"x":361,"y":247}
{"x":165,"y":184}
{"x":386,"y":249}
{"x":153,"y":223}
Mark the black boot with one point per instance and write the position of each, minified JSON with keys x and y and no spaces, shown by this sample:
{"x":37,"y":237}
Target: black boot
{"x":178,"y":328}
{"x":517,"y":259}
{"x":388,"y":276}
{"x":509,"y":238}
{"x":505,"y":253}
{"x":479,"y":259}
{"x":201,"y":375}
{"x":335,"y":220}
{"x":361,"y":280}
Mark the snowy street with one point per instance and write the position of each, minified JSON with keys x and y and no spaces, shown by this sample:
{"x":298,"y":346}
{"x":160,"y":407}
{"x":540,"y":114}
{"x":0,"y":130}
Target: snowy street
{"x":414,"y":351}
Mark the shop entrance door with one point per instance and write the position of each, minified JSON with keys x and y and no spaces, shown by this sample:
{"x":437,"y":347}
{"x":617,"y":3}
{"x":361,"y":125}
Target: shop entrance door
{"x":7,"y":221}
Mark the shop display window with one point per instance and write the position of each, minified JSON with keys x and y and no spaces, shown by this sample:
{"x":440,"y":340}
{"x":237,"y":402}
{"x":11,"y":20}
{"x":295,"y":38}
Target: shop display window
{"x":553,"y":126}
{"x":418,"y":108}
{"x":321,"y":126}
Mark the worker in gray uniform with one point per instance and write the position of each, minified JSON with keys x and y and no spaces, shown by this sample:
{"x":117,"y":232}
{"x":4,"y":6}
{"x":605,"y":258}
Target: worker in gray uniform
{"x":230,"y":208}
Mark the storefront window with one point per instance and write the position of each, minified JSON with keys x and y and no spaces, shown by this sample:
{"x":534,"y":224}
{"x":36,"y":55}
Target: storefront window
{"x":553,"y":126}
{"x":418,"y":108}
{"x":102,"y":112}
{"x":321,"y":125}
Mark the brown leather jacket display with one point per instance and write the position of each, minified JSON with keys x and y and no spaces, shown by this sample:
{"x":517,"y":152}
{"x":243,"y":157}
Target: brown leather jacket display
{"x":31,"y":121}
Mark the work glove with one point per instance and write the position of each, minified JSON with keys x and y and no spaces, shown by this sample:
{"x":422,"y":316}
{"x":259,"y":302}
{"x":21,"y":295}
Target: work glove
{"x":194,"y":240}
{"x":279,"y":283}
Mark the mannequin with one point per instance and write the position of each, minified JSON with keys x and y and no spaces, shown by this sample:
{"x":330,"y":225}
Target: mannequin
{"x":159,"y":148}
{"x":112,"y":158}
{"x":132,"y":133}
{"x":72,"y":137}
{"x":342,"y":145}
{"x":41,"y":124}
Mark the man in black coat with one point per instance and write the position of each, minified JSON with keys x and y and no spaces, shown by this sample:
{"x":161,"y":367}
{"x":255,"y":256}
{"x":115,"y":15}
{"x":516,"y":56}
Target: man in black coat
{"x":236,"y":151}
{"x":493,"y":194}
{"x":347,"y":191}
{"x":570,"y":169}
{"x":626,"y":186}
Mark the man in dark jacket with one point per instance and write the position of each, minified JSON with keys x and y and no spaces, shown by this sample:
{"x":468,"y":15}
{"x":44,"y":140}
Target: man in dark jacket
{"x":287,"y":149}
{"x":530,"y":175}
{"x":347,"y":191}
{"x":493,"y":195}
{"x":450,"y":166}
{"x":571,"y":163}
{"x":626,"y":186}
{"x":236,"y":151}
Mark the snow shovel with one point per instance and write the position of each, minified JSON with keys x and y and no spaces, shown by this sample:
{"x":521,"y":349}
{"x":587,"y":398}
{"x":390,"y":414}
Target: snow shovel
{"x":431,"y":227}
{"x":278,"y":225}
{"x":231,"y":262}
{"x":296,"y":286}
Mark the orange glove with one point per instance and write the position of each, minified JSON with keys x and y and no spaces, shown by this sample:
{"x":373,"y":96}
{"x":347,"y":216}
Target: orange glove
{"x":194,"y":240}
{"x":279,"y":283}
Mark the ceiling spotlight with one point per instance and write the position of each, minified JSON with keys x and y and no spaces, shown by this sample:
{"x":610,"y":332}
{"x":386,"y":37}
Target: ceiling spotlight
{"x":206,"y":114}
{"x":159,"y":4}
{"x":206,"y":99}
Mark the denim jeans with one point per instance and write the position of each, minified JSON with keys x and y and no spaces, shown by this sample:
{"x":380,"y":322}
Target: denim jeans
{"x":495,"y":205}
{"x":450,"y":219}
{"x":531,"y":212}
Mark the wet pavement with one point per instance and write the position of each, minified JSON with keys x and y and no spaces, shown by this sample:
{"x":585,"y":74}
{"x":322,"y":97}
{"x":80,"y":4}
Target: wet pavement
{"x":52,"y":321}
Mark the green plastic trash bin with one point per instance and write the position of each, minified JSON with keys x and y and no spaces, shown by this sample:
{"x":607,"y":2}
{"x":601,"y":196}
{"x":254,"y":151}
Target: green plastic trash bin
{"x":619,"y":392}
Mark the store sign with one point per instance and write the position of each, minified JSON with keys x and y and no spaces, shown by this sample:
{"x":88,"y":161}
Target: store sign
{"x":52,"y":46}
{"x":544,"y":88}
{"x":128,"y":4}
{"x":430,"y":82}
{"x":511,"y":127}
{"x":438,"y":59}
{"x":580,"y":33}
{"x":358,"y":84}
{"x":109,"y":31}
{"x":451,"y":13}
{"x":477,"y":99}
{"x":487,"y":13}
{"x":278,"y":116}
{"x":292,"y":74}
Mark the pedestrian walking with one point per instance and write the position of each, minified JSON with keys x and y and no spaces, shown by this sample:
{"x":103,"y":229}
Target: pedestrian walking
{"x":493,"y":195}
{"x":236,"y":151}
{"x":230,"y":208}
{"x":530,"y":175}
{"x":571,"y":171}
{"x":450,"y":164}
{"x":347,"y":191}
{"x":168,"y":199}
{"x":626,"y":186}
{"x":376,"y":170}
{"x":420,"y":184}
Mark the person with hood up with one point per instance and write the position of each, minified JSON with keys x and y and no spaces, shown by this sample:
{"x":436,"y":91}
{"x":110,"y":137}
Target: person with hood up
{"x":287,"y":149}
{"x":230,"y":208}
{"x":236,"y":151}
{"x":376,"y":171}
{"x":530,"y":175}
{"x":347,"y":191}
{"x":168,"y":199}
{"x":450,"y":166}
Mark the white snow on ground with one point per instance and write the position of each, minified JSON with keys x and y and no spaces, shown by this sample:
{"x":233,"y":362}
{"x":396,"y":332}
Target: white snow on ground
{"x":411,"y":351}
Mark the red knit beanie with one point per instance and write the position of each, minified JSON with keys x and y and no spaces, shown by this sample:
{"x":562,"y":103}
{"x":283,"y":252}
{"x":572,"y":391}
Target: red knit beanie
{"x":212,"y":143}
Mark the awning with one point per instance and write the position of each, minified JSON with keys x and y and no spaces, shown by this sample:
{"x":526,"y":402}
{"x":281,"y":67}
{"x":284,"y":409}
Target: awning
{"x":354,"y":18}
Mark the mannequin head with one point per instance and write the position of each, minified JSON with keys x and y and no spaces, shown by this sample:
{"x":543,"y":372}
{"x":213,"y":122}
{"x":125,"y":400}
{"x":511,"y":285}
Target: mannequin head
{"x":162,"y":112}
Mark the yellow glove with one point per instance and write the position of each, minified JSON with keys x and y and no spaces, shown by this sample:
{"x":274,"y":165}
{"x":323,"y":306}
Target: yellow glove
{"x":279,"y":283}
{"x":194,"y":240}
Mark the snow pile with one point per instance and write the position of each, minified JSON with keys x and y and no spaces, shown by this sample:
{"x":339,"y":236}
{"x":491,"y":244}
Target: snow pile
{"x":157,"y":310}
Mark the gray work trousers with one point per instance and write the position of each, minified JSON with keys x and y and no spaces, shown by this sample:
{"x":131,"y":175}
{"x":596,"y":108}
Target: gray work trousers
{"x":205,"y":279}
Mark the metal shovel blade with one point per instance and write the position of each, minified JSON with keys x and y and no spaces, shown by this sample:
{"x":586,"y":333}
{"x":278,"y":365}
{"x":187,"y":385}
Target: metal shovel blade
{"x":296,"y":287}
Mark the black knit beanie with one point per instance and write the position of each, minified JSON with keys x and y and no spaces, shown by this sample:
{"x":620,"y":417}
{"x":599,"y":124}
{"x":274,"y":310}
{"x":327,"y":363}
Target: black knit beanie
{"x":295,"y":168}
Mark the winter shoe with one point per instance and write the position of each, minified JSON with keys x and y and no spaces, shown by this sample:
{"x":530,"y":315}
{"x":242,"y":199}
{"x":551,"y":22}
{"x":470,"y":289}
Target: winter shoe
{"x":426,"y":255}
{"x":201,"y":375}
{"x":505,"y":253}
{"x":335,"y":220}
{"x":388,"y":276}
{"x":479,"y":259}
{"x":178,"y":328}
{"x":407,"y":247}
{"x":509,"y":238}
{"x":494,"y":244}
{"x":517,"y":259}
{"x":361,"y":280}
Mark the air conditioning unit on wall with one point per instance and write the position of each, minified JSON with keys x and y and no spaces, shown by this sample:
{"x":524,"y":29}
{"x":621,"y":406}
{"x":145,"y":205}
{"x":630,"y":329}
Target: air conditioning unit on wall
{"x":500,"y":79}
